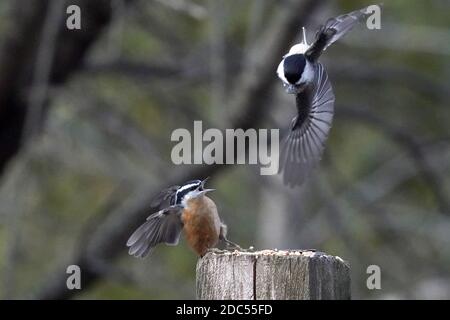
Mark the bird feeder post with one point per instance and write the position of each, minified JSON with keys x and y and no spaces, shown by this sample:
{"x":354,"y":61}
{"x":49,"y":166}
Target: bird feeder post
{"x":270,"y":274}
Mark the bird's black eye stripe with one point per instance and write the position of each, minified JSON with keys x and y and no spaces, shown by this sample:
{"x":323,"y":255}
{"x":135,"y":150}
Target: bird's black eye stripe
{"x":293,"y":67}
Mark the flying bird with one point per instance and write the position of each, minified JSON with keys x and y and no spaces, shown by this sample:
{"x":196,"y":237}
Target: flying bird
{"x":304,"y":76}
{"x":184,"y":207}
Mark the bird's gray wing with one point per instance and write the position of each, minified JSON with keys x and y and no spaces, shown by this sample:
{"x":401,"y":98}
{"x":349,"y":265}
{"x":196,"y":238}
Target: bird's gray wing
{"x":304,"y":144}
{"x":165,"y":198}
{"x":333,"y":30}
{"x":163,"y":226}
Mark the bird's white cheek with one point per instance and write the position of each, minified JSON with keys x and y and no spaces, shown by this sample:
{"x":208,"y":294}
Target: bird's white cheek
{"x":280,"y":72}
{"x":185,"y":200}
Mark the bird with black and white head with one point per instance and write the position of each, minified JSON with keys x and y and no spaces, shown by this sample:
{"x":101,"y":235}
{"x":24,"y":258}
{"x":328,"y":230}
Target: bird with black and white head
{"x":302,"y":75}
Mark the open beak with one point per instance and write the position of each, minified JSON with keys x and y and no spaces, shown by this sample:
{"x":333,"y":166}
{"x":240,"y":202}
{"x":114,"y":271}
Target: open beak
{"x":204,"y":191}
{"x":203,"y":182}
{"x":293,"y":88}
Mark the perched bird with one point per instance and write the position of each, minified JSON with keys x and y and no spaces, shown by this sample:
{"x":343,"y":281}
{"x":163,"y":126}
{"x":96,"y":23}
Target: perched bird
{"x":185,"y":208}
{"x":304,"y":76}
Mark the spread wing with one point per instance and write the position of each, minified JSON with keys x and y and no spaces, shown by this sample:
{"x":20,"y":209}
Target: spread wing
{"x":303,"y":146}
{"x":163,"y":226}
{"x":333,"y":30}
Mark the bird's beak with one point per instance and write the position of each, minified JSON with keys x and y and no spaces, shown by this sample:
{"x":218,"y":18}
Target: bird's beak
{"x":291,"y":89}
{"x":204,"y":181}
{"x":203,"y":192}
{"x":294,"y":88}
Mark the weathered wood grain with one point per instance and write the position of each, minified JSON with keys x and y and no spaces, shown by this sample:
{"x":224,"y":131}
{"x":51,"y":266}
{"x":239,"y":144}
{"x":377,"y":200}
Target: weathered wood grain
{"x":270,"y":274}
{"x":225,"y":276}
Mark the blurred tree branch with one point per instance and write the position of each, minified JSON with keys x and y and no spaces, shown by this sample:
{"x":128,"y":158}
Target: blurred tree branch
{"x":390,"y":73}
{"x":18,"y":55}
{"x":35,"y":102}
{"x":374,"y":187}
{"x":136,"y":69}
{"x":344,"y":70}
{"x":248,"y":105}
{"x":412,"y":145}
{"x":189,"y":8}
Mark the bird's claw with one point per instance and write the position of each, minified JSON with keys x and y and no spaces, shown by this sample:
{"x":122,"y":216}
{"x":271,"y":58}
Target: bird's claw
{"x":233,"y":247}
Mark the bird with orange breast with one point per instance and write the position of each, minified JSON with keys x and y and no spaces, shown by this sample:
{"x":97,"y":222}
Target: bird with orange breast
{"x":185,"y":208}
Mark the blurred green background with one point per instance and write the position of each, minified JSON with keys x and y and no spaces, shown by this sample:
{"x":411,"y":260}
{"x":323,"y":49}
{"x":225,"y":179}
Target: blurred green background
{"x":86,"y":118}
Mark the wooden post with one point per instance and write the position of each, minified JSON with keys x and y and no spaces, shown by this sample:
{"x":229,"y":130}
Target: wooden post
{"x":272,"y":274}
